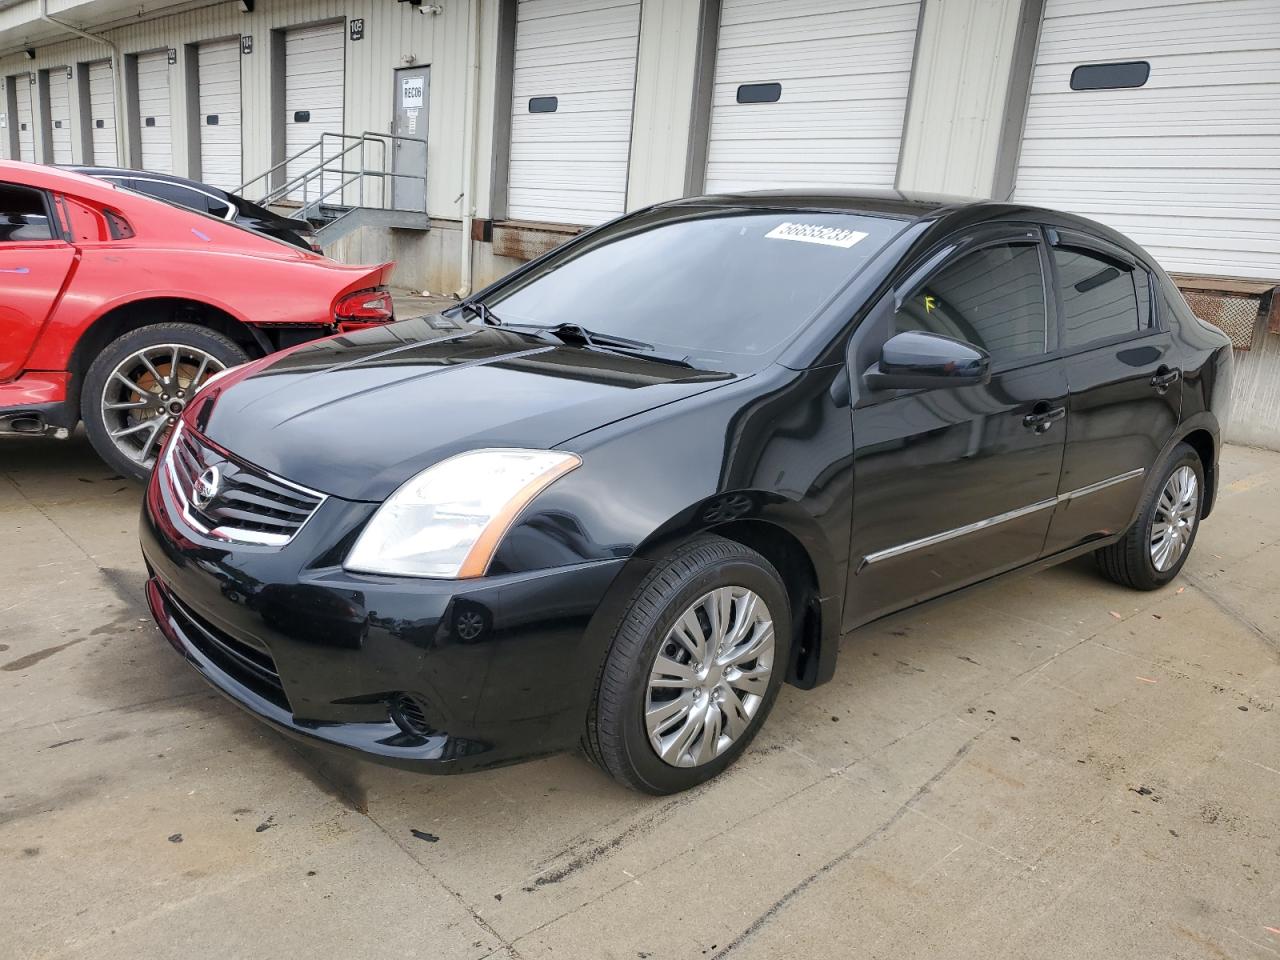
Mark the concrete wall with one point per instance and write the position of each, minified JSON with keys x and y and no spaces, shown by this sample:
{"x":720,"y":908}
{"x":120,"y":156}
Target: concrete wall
{"x":1255,"y":396}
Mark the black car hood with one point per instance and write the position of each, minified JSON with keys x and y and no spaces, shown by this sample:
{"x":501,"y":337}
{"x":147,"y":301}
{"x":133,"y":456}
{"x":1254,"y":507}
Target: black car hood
{"x":358,"y":414}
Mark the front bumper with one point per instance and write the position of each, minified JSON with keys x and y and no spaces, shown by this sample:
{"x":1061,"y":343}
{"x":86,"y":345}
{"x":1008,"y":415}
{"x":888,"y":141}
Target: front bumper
{"x":504,"y":666}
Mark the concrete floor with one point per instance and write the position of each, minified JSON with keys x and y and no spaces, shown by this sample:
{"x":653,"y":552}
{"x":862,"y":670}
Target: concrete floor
{"x":1049,"y":767}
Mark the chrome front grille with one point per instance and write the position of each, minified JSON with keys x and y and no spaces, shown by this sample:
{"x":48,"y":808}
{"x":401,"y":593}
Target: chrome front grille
{"x":232,"y":500}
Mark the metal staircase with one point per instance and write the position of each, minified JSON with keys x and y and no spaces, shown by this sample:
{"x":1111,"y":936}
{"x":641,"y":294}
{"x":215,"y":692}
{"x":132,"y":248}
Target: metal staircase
{"x":343,"y":182}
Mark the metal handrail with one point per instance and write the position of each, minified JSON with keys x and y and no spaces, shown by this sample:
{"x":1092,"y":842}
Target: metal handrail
{"x":338,"y":165}
{"x":301,"y":179}
{"x":305,"y":150}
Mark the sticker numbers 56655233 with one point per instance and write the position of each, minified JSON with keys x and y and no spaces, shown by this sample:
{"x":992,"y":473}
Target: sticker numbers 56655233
{"x":816,"y":233}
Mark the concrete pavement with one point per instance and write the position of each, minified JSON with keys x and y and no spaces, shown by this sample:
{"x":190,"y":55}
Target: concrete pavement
{"x":1051,"y":766}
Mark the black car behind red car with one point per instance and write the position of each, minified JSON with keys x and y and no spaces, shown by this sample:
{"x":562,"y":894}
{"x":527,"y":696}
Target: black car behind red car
{"x":626,"y":492}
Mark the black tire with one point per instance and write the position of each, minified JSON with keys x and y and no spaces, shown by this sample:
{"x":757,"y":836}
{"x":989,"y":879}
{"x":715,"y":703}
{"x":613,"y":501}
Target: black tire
{"x":616,"y":738}
{"x":1128,"y":561}
{"x":97,"y":382}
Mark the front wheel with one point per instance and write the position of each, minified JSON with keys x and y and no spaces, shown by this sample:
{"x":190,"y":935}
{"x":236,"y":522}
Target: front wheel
{"x":694,"y":668}
{"x":1155,"y":547}
{"x":137,"y":388}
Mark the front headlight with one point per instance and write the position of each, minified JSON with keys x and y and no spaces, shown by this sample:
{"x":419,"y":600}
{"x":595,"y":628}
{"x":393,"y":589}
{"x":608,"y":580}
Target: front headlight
{"x":448,"y":520}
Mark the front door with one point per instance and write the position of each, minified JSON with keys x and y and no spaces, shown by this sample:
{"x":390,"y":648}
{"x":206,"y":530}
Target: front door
{"x":409,"y":155}
{"x":956,"y":484}
{"x":1126,"y":392}
{"x":33,"y":270}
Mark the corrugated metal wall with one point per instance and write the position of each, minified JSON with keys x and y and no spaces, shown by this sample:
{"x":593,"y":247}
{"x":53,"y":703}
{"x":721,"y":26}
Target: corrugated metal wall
{"x":952,"y":138}
{"x":395,"y":34}
{"x":664,"y":101}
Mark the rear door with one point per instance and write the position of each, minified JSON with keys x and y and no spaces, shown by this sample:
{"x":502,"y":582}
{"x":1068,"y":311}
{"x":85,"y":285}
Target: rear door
{"x":956,"y":484}
{"x":34,"y":261}
{"x":1125,"y":385}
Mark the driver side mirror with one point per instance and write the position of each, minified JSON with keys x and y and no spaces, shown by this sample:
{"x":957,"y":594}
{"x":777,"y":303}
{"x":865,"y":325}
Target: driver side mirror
{"x":914,"y":359}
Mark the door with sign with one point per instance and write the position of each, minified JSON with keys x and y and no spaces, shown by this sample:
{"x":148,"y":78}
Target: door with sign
{"x":413,"y":85}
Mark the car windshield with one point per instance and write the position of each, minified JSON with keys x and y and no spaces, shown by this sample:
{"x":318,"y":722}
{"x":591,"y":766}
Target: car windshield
{"x":711,"y":283}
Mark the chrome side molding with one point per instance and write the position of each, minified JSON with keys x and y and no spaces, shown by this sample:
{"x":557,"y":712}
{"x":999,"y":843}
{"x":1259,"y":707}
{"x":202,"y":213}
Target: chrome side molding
{"x":890,"y":552}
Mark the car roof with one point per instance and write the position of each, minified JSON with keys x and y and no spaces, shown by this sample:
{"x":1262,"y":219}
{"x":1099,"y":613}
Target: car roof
{"x":906,"y":206}
{"x":946,"y":212}
{"x":126,"y":172}
{"x":45,"y":177}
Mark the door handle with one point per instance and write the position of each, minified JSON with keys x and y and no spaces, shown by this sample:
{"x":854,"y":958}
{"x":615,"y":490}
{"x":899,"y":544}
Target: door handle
{"x":1165,"y":378}
{"x":1043,"y":416}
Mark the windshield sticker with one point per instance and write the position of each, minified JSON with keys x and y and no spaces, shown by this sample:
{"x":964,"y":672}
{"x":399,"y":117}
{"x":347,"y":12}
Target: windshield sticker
{"x":816,"y":233}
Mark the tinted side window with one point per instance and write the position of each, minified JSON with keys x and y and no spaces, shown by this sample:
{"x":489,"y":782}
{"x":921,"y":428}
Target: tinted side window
{"x":175,"y":194}
{"x":23,"y":214}
{"x":1099,"y":297}
{"x":992,"y":298}
{"x":217,"y":207}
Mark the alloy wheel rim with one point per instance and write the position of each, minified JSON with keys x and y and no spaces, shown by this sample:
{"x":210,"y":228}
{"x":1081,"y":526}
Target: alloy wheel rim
{"x":709,"y":677}
{"x":1174,"y":521}
{"x":147,"y":392}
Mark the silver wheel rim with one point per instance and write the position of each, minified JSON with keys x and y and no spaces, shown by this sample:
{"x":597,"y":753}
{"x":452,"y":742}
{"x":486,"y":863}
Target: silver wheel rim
{"x":709,"y":677}
{"x":146,"y":394}
{"x":1174,"y":521}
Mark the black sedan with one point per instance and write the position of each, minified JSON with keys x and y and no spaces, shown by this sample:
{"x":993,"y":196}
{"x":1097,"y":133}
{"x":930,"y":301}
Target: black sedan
{"x":214,"y":201}
{"x":629,"y":490}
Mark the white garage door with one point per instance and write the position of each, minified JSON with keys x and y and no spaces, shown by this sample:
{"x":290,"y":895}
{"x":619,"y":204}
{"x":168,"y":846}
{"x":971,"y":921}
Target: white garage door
{"x":574,"y":83}
{"x":1188,"y":163}
{"x":810,"y":93}
{"x":102,"y":113}
{"x":60,"y":115}
{"x":315,"y":80}
{"x":219,"y":70}
{"x":24,"y":90}
{"x":153,"y":112}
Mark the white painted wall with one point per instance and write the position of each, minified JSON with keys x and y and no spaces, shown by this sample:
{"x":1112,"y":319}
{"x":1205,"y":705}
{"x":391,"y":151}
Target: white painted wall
{"x":664,"y":101}
{"x":959,"y":87}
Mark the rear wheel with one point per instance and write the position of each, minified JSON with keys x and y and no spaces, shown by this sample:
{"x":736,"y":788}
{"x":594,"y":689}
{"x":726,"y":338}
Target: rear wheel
{"x":694,"y":668}
{"x":1155,"y":547}
{"x":138,"y":386}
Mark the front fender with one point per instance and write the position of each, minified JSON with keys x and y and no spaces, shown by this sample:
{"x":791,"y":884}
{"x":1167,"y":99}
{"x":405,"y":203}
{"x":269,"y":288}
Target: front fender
{"x":774,"y":450}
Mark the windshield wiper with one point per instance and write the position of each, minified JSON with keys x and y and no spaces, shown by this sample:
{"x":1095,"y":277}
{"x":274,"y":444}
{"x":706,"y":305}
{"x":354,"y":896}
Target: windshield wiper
{"x":487,"y":316}
{"x":572,"y":332}
{"x":575,"y":335}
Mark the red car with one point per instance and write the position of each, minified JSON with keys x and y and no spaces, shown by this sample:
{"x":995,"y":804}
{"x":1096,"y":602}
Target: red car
{"x":115,"y":308}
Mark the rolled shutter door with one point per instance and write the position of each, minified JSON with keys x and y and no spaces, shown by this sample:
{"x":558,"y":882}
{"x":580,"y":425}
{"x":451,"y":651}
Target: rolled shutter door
{"x":154,"y":126}
{"x":219,"y":119}
{"x":313,"y":101}
{"x":1187,"y":163}
{"x":810,"y":93}
{"x":574,"y":84}
{"x":102,"y":113}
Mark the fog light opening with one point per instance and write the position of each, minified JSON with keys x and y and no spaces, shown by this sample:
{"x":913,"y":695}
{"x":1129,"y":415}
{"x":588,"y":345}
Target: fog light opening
{"x":410,"y":714}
